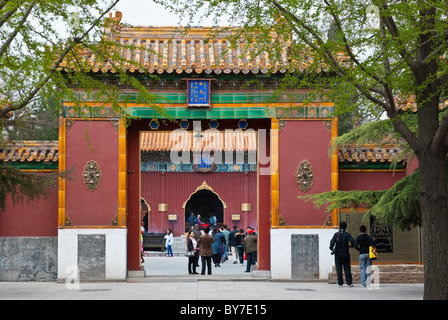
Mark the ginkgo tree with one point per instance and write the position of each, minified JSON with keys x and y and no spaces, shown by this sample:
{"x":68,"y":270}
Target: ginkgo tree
{"x":394,"y":54}
{"x":35,"y":37}
{"x":41,"y":46}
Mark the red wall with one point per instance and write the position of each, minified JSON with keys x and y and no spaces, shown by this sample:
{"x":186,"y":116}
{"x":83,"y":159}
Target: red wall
{"x":301,"y":140}
{"x":175,"y":188}
{"x":92,"y":140}
{"x":35,"y":219}
{"x":368,"y":180}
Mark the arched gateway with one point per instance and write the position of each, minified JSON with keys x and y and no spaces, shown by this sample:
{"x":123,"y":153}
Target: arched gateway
{"x":206,"y":204}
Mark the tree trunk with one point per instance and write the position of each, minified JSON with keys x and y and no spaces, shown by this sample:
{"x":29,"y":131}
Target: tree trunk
{"x":433,"y":197}
{"x":433,"y":206}
{"x":432,"y":156}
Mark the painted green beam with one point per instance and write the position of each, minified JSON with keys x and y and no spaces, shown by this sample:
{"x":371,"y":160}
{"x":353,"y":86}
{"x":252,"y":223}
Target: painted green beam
{"x":214,"y":113}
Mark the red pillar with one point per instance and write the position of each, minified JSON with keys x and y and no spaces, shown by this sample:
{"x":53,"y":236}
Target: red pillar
{"x":133,"y":220}
{"x":264,"y":223}
{"x":264,"y":213}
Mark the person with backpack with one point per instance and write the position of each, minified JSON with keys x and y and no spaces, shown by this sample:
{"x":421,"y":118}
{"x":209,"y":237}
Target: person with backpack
{"x":362,"y":244}
{"x":339,"y":246}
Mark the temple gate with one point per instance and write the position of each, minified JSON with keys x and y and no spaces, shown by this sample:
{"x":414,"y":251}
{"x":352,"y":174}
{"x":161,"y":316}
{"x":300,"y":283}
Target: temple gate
{"x":226,"y":145}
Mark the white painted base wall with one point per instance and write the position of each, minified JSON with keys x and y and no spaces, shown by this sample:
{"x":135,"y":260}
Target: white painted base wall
{"x":281,"y":251}
{"x":116,"y":252}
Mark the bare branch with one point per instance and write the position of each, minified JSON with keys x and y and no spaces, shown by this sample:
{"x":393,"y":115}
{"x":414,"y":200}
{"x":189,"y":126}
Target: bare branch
{"x":56,"y":64}
{"x":389,"y":22}
{"x":436,"y":52}
{"x":8,"y":14}
{"x":347,"y":45}
{"x":389,"y":107}
{"x":17,"y":29}
{"x":328,"y":54}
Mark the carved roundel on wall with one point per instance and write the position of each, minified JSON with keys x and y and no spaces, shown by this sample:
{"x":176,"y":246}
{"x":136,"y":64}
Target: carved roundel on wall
{"x":91,"y":175}
{"x":305,"y":176}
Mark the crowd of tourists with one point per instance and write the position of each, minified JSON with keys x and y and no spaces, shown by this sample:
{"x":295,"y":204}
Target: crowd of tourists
{"x":213,"y":244}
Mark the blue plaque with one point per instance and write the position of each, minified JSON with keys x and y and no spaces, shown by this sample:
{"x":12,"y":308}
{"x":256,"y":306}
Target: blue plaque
{"x":198,"y":93}
{"x":204,"y":163}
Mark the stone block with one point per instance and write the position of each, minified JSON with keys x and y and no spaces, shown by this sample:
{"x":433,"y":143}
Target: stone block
{"x":28,"y":258}
{"x":92,"y":256}
{"x":304,"y":256}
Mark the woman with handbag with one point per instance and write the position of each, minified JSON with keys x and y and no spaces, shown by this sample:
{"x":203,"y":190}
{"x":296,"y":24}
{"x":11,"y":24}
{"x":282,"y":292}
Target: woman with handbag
{"x":192,"y":253}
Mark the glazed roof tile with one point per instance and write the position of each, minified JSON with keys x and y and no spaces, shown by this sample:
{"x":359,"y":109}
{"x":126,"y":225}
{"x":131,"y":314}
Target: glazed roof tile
{"x":205,"y":141}
{"x":369,"y":153}
{"x":183,"y":51}
{"x":184,"y":55}
{"x":48,"y":151}
{"x":38,"y":151}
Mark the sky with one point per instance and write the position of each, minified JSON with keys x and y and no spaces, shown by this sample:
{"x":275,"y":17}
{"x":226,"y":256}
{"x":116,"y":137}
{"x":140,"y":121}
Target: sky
{"x":147,"y":13}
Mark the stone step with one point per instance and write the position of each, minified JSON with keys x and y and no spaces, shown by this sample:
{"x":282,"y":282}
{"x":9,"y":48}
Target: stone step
{"x":386,"y":274}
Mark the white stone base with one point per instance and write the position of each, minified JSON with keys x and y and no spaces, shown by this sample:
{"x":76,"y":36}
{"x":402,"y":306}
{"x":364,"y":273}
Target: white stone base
{"x":281,"y":251}
{"x":116,"y":252}
{"x":261,"y":274}
{"x":137,"y":273}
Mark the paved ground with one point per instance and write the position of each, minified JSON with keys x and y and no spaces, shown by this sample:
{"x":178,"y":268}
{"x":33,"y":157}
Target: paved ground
{"x":205,"y":290}
{"x":157,"y":264}
{"x":168,"y":279}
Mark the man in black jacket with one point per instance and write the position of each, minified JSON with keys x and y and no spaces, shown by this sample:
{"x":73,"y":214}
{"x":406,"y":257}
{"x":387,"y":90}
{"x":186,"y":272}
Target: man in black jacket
{"x":339,"y":245}
{"x":232,"y":243}
{"x":362,"y":244}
